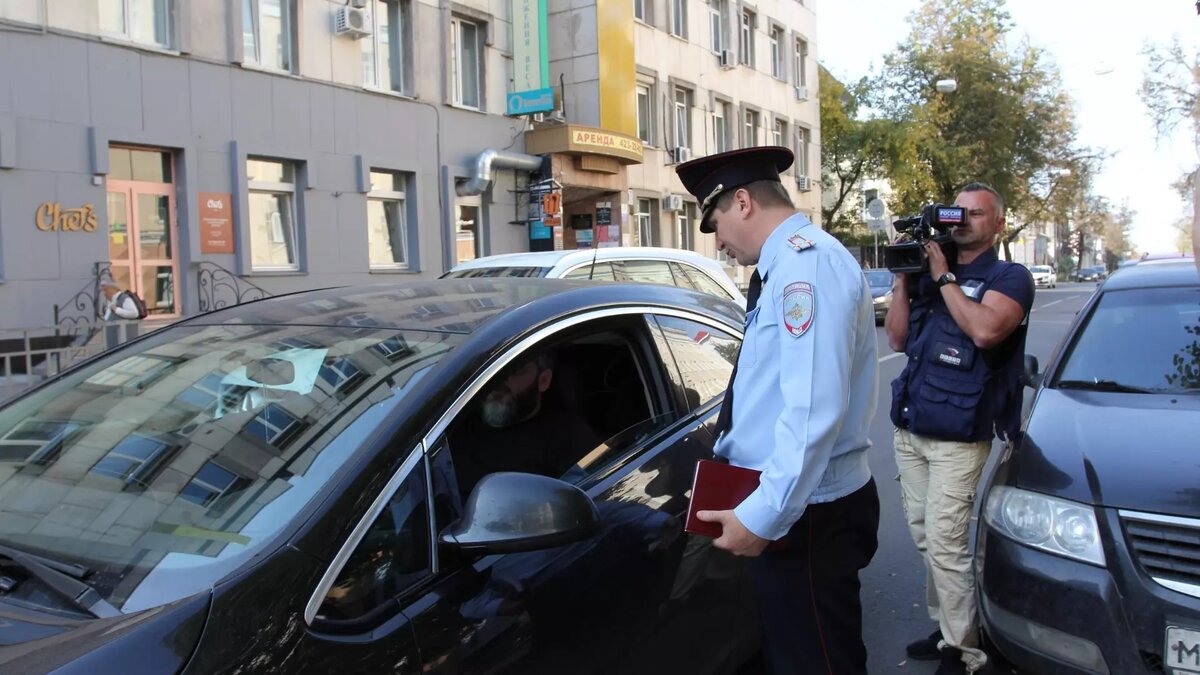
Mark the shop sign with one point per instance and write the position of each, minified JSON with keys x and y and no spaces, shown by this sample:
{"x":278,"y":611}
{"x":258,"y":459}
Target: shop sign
{"x":216,"y":222}
{"x":52,"y":217}
{"x":531,"y":92}
{"x":600,"y":139}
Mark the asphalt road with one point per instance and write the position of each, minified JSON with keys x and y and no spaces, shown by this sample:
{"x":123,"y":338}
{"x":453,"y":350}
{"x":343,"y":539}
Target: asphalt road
{"x":893,"y":592}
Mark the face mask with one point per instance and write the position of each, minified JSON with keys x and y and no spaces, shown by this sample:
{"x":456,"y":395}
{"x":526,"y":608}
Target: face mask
{"x":499,"y":411}
{"x":504,"y":407}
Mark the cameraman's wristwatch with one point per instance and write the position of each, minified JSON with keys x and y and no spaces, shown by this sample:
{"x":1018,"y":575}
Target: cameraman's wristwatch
{"x":947,"y":278}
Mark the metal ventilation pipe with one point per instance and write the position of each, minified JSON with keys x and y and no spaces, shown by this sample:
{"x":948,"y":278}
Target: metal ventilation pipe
{"x":492,"y":158}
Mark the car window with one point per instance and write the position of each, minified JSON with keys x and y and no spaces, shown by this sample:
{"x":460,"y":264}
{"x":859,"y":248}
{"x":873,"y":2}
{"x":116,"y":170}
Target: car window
{"x":649,"y":272}
{"x":704,"y":355}
{"x":563,"y":409}
{"x":1147,"y":338}
{"x":602,"y":271}
{"x":699,"y":280}
{"x":499,"y":271}
{"x":394,"y":554}
{"x":879,"y":278}
{"x":1039,"y":268}
{"x":194,"y":447}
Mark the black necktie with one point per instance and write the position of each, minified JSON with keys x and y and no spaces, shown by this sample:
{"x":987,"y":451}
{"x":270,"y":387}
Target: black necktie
{"x":725,"y":418}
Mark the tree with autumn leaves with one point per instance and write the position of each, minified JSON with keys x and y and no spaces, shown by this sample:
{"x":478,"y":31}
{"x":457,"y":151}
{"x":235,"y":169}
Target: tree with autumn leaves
{"x":1008,"y":124}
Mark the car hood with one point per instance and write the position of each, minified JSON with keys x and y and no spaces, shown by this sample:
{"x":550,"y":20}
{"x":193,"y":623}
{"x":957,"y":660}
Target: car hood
{"x":160,"y":639}
{"x":877,"y":291}
{"x":1129,"y":451}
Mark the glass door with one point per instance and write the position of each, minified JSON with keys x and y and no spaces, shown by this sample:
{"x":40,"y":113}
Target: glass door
{"x":142,"y":237}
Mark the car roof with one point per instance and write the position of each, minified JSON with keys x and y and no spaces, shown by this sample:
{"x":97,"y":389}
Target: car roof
{"x":576,"y":256}
{"x":456,"y":305}
{"x":1175,"y":272}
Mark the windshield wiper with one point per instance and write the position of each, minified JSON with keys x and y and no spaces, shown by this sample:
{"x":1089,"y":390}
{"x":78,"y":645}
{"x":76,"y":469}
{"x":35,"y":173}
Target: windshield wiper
{"x":56,"y":577}
{"x":1103,"y":385}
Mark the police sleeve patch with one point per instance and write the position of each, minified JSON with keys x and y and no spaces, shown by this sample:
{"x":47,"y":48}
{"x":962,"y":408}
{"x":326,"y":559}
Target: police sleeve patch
{"x":799,"y":308}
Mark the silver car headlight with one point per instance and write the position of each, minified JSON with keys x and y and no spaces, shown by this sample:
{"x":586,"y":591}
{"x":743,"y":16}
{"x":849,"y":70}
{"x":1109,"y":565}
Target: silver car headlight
{"x":883,"y":298}
{"x":1054,"y":525}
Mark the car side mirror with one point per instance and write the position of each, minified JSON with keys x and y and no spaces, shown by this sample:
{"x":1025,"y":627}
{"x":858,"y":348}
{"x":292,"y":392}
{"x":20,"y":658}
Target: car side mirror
{"x":516,"y":512}
{"x":1029,"y":374}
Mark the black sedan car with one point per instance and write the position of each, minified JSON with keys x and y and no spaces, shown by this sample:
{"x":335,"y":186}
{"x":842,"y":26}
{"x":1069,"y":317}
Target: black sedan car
{"x":1088,"y":555}
{"x":320,"y":483}
{"x":1093,"y":273}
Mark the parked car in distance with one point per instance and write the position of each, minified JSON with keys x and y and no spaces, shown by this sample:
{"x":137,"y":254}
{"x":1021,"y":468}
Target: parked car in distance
{"x":1044,"y":276}
{"x":669,"y":266}
{"x":321,"y":482}
{"x":1092,"y":273}
{"x":881,"y":282}
{"x":1088,"y":552}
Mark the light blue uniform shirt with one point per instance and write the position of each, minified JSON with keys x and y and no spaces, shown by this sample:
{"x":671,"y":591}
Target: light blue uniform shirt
{"x":804,"y":394}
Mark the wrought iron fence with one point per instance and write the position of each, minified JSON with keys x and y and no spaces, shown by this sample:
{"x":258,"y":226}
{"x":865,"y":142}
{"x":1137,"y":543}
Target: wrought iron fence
{"x":219,"y":288}
{"x":79,"y":317}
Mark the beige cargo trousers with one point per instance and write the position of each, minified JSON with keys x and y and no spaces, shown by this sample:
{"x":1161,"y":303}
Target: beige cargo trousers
{"x":938,"y":480}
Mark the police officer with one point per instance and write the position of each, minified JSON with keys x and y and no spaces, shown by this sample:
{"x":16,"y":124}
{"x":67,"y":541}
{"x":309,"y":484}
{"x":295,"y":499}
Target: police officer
{"x":801,"y":400}
{"x":963,"y":329}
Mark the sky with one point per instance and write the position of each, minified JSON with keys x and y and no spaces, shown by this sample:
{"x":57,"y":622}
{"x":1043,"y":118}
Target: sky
{"x":1097,"y":46}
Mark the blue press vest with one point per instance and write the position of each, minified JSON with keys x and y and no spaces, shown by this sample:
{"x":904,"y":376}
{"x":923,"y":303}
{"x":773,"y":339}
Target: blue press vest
{"x":951,"y":389}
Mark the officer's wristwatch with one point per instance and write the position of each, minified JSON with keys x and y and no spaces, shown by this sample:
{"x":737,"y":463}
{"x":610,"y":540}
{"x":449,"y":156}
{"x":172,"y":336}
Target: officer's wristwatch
{"x":947,"y":278}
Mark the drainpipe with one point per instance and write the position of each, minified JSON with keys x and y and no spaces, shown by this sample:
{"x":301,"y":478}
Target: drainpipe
{"x":487,"y":160}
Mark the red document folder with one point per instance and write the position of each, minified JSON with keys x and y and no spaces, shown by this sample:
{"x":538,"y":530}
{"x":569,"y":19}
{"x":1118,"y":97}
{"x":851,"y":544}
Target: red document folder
{"x":717,"y":487}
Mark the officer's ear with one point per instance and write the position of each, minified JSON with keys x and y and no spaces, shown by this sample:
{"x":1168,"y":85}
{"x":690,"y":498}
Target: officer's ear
{"x":545,"y":377}
{"x":741,"y":197}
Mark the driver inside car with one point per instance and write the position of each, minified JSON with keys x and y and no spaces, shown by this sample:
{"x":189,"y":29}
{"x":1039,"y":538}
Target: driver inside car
{"x":519,"y":428}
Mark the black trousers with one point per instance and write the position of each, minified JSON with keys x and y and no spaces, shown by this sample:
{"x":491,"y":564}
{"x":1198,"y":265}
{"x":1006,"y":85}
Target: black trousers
{"x":808,"y":588}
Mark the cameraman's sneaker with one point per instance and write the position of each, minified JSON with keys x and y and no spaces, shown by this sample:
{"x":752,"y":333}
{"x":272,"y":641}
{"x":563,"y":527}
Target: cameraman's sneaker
{"x":926,"y":649}
{"x":952,"y":663}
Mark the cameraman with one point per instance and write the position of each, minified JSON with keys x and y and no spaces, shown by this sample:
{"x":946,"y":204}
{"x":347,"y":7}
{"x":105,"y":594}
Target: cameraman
{"x":963,"y":329}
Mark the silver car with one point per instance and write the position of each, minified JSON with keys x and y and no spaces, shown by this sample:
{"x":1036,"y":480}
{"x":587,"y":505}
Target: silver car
{"x":646,"y":264}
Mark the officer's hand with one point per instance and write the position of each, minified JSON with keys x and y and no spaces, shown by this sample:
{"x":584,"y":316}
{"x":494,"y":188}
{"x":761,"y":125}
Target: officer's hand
{"x":734,"y":538}
{"x":937,"y":260}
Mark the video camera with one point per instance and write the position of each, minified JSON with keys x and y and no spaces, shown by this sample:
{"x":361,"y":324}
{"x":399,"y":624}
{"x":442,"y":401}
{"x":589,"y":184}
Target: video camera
{"x":934,"y":224}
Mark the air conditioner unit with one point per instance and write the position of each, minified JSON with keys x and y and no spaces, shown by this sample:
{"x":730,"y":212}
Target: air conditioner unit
{"x":680,"y":155}
{"x":673,"y":202}
{"x":360,"y":4}
{"x":803,"y":183}
{"x":801,"y":92}
{"x":726,"y":59}
{"x":352,"y":22}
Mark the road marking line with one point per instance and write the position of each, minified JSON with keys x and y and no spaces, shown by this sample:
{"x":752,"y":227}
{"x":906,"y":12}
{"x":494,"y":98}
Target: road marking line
{"x":1048,"y":304}
{"x":889,"y":357}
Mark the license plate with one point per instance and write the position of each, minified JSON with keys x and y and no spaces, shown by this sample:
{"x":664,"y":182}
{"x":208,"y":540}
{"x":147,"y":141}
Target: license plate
{"x":1182,"y":653}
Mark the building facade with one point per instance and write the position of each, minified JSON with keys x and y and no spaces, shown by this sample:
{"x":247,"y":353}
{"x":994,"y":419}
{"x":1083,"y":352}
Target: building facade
{"x":673,"y":80}
{"x":206,"y":152}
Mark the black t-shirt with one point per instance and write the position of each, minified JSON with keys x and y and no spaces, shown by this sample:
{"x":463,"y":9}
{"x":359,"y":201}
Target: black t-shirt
{"x":547,"y":444}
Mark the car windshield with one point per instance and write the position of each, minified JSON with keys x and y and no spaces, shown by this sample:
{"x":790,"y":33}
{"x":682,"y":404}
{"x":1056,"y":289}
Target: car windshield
{"x":1147,"y":338}
{"x":493,"y":272}
{"x":1040,"y":269}
{"x":879,"y":278}
{"x":165,"y":466}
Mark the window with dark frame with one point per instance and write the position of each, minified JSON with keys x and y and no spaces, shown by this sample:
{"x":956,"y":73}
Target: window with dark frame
{"x":387,"y":229}
{"x":271,"y":193}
